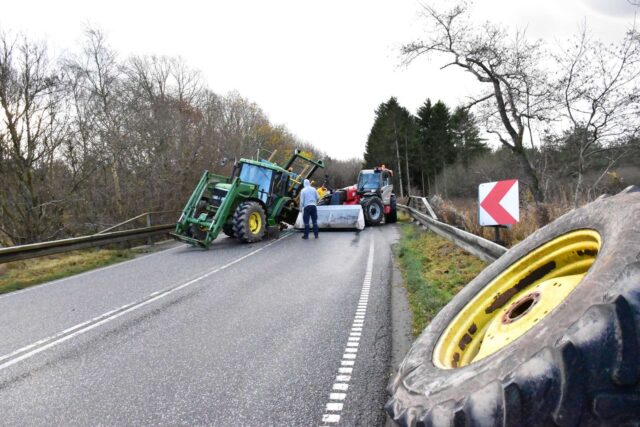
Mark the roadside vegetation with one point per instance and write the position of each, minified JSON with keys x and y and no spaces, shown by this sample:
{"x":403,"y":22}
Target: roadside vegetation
{"x":23,"y":274}
{"x":434,"y":270}
{"x":113,"y":136}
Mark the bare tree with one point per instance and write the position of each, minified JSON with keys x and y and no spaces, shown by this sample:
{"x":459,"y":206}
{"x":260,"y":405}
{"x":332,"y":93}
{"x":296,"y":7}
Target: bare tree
{"x":241,"y":121}
{"x":599,"y":87}
{"x":100,"y":77}
{"x":516,"y":86}
{"x":32,"y":128}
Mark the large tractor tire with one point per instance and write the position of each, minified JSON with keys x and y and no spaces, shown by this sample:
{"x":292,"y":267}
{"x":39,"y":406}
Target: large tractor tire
{"x":547,"y":335}
{"x":392,"y":216}
{"x":373,"y":210}
{"x":249,"y":222}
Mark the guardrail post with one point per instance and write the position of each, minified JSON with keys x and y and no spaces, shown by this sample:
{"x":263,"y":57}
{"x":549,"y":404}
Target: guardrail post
{"x":149,"y":239}
{"x":411,"y":203}
{"x":429,"y":208}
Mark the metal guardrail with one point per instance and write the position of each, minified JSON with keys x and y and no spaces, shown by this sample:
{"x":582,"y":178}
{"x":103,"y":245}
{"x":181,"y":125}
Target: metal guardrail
{"x":146,"y":215}
{"x":423,"y":202}
{"x":476,"y":245}
{"x":102,"y":238}
{"x":16,"y":253}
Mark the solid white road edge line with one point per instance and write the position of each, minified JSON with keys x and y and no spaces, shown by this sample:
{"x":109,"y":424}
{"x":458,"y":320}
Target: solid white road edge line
{"x":341,"y":384}
{"x":88,"y":325}
{"x":85,"y":273}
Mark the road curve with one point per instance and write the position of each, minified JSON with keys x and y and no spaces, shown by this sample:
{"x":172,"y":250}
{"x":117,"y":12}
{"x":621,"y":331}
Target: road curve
{"x":284,"y":332}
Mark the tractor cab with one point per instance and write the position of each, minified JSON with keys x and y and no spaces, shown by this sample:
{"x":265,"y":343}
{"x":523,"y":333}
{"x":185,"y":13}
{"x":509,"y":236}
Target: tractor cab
{"x":255,"y":181}
{"x":374,"y":180}
{"x":368,"y":181}
{"x":269,"y":181}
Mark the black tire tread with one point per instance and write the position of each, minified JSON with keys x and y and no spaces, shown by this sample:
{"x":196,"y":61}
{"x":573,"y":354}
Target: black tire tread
{"x":241,"y":222}
{"x":365,"y":205}
{"x":627,"y":369}
{"x":590,"y":376}
{"x":566,"y":384}
{"x":392,"y":217}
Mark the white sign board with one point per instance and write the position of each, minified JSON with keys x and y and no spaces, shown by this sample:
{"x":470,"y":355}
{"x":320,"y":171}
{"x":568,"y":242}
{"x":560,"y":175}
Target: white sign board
{"x":498,"y":203}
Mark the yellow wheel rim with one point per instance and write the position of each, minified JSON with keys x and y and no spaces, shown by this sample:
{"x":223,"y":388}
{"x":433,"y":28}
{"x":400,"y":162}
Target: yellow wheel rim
{"x":517,"y":299}
{"x":255,"y":222}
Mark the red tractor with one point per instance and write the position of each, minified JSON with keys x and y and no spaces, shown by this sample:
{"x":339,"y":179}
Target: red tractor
{"x":374,"y":192}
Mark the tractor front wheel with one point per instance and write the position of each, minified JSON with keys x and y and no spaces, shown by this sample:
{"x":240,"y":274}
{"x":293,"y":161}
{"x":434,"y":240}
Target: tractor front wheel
{"x":228,"y":230}
{"x":373,"y":210}
{"x":249,"y":222}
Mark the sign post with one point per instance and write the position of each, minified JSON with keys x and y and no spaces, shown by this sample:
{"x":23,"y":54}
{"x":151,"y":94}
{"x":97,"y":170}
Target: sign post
{"x":498,"y":205}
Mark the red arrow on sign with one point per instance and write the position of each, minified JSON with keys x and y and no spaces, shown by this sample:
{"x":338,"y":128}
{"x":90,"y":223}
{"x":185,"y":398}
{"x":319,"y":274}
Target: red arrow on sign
{"x":492,"y":205}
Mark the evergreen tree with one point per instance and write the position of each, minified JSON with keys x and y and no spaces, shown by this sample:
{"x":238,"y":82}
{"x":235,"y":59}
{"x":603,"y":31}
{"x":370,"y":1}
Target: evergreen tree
{"x":425,"y":144}
{"x":444,"y":152}
{"x":391,"y":141}
{"x":466,"y":136}
{"x":435,"y":141}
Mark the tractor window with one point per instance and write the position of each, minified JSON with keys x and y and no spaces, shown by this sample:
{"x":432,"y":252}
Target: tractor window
{"x":258,"y":176}
{"x":369,"y":181}
{"x":386,"y":179}
{"x":280,"y":184}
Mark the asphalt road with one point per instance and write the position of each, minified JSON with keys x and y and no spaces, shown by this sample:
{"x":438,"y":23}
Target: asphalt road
{"x":283,"y":332}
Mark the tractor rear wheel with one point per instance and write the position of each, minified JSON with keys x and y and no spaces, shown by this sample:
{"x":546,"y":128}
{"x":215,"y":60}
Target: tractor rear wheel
{"x":373,"y":210}
{"x":392,"y":217}
{"x":249,"y":222}
{"x":547,"y":335}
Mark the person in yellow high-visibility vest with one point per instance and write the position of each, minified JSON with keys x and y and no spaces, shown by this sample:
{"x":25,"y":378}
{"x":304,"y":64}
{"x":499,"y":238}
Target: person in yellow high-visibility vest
{"x":322,"y":191}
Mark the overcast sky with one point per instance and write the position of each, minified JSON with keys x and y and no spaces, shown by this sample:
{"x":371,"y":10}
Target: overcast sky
{"x":320,"y":68}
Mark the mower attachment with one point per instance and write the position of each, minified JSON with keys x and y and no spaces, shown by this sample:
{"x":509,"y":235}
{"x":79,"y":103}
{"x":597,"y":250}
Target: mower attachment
{"x":337,"y":217}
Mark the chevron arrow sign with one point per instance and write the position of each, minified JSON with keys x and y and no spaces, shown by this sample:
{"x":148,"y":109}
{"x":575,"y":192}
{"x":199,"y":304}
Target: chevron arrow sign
{"x":499,"y":203}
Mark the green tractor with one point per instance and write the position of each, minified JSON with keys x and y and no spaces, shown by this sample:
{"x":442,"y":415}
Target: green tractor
{"x":257,"y":197}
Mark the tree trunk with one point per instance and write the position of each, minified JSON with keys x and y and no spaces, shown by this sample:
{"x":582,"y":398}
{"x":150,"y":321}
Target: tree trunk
{"x":406,"y":162}
{"x":534,"y":186}
{"x":395,"y":131}
{"x":444,"y":179}
{"x":576,"y":195}
{"x":117,"y":190}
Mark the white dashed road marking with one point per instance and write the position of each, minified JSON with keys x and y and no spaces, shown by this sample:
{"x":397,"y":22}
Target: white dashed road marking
{"x":69,"y":333}
{"x":341,"y":384}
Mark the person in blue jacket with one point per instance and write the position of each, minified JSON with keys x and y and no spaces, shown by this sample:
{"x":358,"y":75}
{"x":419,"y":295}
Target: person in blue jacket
{"x":308,"y":201}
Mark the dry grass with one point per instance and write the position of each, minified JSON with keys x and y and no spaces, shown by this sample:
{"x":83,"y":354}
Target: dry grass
{"x":463,"y":213}
{"x":403,"y":216}
{"x":22,"y":274}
